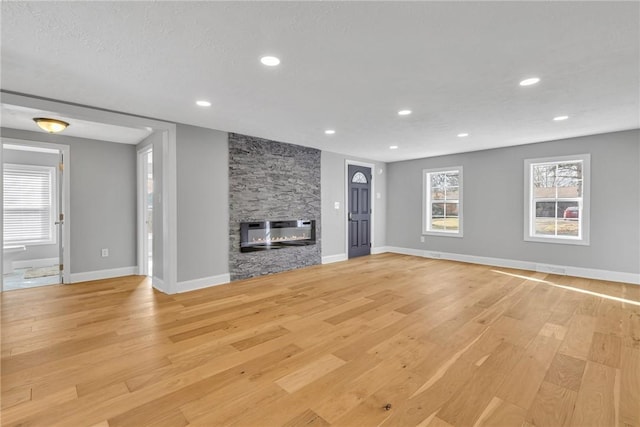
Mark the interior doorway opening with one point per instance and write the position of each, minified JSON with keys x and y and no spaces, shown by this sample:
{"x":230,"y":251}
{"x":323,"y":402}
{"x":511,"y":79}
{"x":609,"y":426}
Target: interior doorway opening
{"x":145,"y":218}
{"x":34,"y":199}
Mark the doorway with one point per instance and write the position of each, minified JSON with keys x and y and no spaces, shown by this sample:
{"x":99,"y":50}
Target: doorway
{"x":145,"y":209}
{"x":359,"y":211}
{"x":35,"y":199}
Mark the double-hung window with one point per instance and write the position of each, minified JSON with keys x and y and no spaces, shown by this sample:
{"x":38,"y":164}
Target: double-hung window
{"x":557,"y":199}
{"x":29,"y":204}
{"x":442,"y":203}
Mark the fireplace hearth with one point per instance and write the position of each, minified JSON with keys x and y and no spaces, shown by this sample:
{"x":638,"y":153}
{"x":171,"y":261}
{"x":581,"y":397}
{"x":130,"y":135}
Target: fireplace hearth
{"x":265,"y":235}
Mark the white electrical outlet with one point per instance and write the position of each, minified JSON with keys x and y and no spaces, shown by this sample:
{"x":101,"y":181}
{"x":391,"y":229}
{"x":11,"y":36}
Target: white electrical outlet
{"x":422,"y":239}
{"x":336,"y":205}
{"x":105,"y":252}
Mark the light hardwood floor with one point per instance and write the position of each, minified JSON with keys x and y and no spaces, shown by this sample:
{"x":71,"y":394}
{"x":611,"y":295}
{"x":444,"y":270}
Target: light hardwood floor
{"x":386,"y":340}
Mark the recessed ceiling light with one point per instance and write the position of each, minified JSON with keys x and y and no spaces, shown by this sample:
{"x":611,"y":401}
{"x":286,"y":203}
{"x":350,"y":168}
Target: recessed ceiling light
{"x":270,"y":61}
{"x":393,"y":147}
{"x":329,"y":131}
{"x":530,"y":81}
{"x":404,"y":112}
{"x":462,"y":135}
{"x":559,"y":118}
{"x":203,"y":103}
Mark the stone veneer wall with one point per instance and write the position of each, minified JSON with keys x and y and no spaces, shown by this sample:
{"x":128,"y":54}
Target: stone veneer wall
{"x":275,"y":181}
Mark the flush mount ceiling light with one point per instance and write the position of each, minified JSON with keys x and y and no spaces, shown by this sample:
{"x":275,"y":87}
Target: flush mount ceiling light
{"x":329,"y":131}
{"x":50,"y":125}
{"x":270,"y":61}
{"x":529,"y":81}
{"x":203,"y":103}
{"x":393,"y":147}
{"x":462,"y":135}
{"x":560,"y":118}
{"x":404,"y":112}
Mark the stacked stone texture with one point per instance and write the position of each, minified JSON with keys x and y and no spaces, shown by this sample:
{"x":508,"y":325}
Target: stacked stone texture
{"x":271,"y":180}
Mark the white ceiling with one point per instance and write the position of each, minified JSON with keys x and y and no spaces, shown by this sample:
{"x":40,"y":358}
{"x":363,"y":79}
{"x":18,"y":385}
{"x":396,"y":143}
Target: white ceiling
{"x":349,"y":66}
{"x":19,"y":117}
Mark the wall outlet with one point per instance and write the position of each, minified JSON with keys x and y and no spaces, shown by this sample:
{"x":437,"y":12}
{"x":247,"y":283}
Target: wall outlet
{"x":422,"y":239}
{"x":336,"y":205}
{"x":105,"y":252}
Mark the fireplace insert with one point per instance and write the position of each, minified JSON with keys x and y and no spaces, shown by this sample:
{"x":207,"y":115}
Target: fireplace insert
{"x":264,"y":235}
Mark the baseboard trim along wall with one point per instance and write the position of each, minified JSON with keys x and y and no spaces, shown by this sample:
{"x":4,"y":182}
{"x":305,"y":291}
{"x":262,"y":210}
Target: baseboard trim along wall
{"x":42,"y":262}
{"x":103,"y":274}
{"x":588,"y":273}
{"x":379,"y":250}
{"x":204,"y":282}
{"x":334,"y":258}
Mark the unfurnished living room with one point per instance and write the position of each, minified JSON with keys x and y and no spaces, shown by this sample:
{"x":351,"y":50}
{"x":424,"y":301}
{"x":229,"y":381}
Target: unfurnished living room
{"x":320,"y":213}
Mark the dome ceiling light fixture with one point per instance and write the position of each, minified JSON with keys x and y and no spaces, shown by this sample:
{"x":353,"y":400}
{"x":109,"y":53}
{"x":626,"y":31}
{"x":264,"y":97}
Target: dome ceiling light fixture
{"x":50,"y":125}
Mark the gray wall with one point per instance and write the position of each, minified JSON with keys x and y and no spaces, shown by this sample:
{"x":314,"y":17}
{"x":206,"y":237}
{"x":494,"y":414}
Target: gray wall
{"x":274,"y":181}
{"x":103,"y":200}
{"x":494,"y":203}
{"x":203,"y":202}
{"x":33,"y":252}
{"x":333,"y":190}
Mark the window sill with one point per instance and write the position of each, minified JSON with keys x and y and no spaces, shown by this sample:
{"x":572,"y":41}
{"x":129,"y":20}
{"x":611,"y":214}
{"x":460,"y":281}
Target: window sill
{"x":556,"y":240}
{"x":441,"y":234}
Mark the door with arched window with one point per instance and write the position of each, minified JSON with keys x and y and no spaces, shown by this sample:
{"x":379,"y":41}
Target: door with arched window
{"x":359,"y":203}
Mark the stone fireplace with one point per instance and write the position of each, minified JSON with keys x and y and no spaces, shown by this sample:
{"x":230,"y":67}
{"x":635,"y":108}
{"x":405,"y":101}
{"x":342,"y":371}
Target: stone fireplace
{"x":272,"y":187}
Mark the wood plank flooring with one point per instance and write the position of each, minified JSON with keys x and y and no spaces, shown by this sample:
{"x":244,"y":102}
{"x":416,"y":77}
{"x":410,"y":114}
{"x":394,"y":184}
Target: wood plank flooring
{"x":387,"y":340}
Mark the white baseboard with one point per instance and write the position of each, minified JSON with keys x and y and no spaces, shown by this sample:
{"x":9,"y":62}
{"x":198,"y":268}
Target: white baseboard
{"x":205,"y":282}
{"x":334,"y":258}
{"x":379,"y":250}
{"x":42,"y":262}
{"x":158,"y":284}
{"x":588,"y":273}
{"x":103,"y":274}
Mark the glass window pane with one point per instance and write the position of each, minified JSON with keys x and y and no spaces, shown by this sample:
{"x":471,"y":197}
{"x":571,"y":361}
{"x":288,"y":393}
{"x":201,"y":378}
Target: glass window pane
{"x":546,"y":210}
{"x":453,"y":193}
{"x":569,"y":187}
{"x":451,"y":209}
{"x":544,"y":176}
{"x":359,"y":178}
{"x":569,"y":222}
{"x":437,"y":180}
{"x":569,"y":170}
{"x":437,"y":224}
{"x":546,"y":226}
{"x":437,"y":194}
{"x":453,"y":224}
{"x":453,"y":179}
{"x":437,"y":210}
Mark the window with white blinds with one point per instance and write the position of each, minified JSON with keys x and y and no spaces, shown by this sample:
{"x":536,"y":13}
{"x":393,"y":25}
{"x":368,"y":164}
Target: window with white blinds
{"x":29,"y":204}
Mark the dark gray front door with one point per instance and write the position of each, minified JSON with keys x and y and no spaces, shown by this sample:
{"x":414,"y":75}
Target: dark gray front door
{"x":359,"y":211}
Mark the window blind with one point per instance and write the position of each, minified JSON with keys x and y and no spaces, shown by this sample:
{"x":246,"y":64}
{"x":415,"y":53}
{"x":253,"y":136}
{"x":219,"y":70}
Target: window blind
{"x":29,"y":204}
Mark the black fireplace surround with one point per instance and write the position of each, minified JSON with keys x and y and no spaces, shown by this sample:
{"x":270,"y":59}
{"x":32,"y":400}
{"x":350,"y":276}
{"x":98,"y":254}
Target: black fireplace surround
{"x":265,"y":235}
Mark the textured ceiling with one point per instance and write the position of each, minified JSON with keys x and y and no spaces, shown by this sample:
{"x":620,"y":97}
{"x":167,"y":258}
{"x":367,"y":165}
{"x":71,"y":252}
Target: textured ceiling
{"x":349,"y":66}
{"x":19,"y":117}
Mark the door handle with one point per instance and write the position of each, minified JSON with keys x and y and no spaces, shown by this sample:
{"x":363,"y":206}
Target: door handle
{"x":350,"y":216}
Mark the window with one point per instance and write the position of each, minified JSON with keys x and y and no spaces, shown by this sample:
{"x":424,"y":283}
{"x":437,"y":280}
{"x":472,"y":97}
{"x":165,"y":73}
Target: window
{"x":359,"y":178}
{"x":442,"y":207}
{"x":29,"y":204}
{"x":557,"y":200}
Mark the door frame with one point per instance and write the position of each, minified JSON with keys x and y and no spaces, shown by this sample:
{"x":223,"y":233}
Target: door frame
{"x":346,"y":202}
{"x":65,"y":258}
{"x":141,"y":195}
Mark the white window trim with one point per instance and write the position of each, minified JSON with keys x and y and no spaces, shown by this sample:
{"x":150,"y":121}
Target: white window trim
{"x":426,"y":201}
{"x":529,"y":205}
{"x":51,"y":170}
